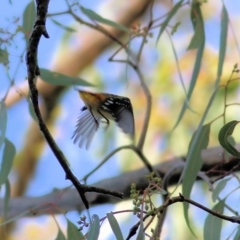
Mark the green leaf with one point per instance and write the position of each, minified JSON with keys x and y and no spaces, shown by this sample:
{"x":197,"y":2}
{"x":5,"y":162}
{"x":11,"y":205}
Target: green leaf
{"x":31,"y":110}
{"x":198,"y":25}
{"x":213,"y":225}
{"x":61,"y":79}
{"x":21,"y":215}
{"x":220,"y":186}
{"x":198,"y":142}
{"x":6,"y":197}
{"x":6,"y":165}
{"x":223,"y":43}
{"x":141,"y":235}
{"x":94,"y":228}
{"x":223,"y":135}
{"x":237,"y":235}
{"x":198,"y":14}
{"x":169,"y":17}
{"x":29,"y":16}
{"x":66,"y":28}
{"x":94,"y":16}
{"x":4,"y":56}
{"x":3,"y":122}
{"x":115,"y":226}
{"x":60,"y":235}
{"x":72,"y":231}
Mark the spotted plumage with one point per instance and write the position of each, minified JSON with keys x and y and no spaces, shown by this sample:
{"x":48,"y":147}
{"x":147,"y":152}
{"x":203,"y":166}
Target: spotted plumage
{"x":100,"y":106}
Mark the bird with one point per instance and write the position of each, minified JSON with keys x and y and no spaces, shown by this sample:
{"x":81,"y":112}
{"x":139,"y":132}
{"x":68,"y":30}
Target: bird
{"x":102,"y":107}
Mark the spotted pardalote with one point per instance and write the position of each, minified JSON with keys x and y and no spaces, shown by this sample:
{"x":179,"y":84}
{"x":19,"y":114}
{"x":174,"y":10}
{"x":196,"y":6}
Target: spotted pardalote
{"x":102,"y":107}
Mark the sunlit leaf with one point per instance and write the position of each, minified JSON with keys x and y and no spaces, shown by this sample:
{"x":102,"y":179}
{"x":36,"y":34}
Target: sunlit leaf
{"x":169,"y":17}
{"x":94,"y":228}
{"x":220,"y":186}
{"x":29,"y":16}
{"x":198,"y":142}
{"x":66,"y":28}
{"x":115,"y":226}
{"x":3,"y":122}
{"x":4,"y":56}
{"x":61,"y":79}
{"x":9,"y":152}
{"x":225,"y":132}
{"x":197,"y":65}
{"x":96,"y":17}
{"x":213,"y":225}
{"x":72,"y":231}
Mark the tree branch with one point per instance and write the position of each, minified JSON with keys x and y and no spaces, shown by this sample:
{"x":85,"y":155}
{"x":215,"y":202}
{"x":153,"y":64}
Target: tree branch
{"x":67,"y":199}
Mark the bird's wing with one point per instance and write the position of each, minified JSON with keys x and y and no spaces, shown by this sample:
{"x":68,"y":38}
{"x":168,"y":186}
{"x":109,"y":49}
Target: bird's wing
{"x":86,"y":127}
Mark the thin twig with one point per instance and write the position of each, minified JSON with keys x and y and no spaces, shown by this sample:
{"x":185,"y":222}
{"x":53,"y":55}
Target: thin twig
{"x":39,"y":29}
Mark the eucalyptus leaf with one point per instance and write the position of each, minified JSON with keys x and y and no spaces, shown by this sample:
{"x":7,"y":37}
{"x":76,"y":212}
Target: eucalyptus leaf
{"x":72,"y":231}
{"x":94,"y":228}
{"x":213,"y":224}
{"x":3,"y":122}
{"x":220,"y":186}
{"x":96,"y":17}
{"x":4,"y":56}
{"x":225,"y":132}
{"x":61,"y":79}
{"x":169,"y":17}
{"x":115,"y":226}
{"x":29,"y":16}
{"x":9,"y":152}
{"x":60,"y":235}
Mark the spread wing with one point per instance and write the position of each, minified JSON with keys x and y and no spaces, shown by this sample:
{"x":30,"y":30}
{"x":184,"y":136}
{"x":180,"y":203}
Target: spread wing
{"x":125,"y":120}
{"x":86,"y":127}
{"x":122,"y":113}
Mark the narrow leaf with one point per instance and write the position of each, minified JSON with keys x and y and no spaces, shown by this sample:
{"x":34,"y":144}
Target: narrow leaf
{"x":115,"y":226}
{"x":31,"y":110}
{"x":198,"y":14}
{"x":66,"y":28}
{"x":60,"y":235}
{"x":6,"y":165}
{"x":4,"y":56}
{"x":225,"y":132}
{"x":6,"y":197}
{"x":223,"y":43}
{"x":29,"y":16}
{"x":169,"y":17}
{"x":96,"y":17}
{"x":94,"y":228}
{"x":61,"y":79}
{"x":3,"y":122}
{"x":141,"y":235}
{"x":213,"y":225}
{"x":198,"y":142}
{"x":72,"y":231}
{"x":198,"y":25}
{"x":237,"y":235}
{"x":220,"y":186}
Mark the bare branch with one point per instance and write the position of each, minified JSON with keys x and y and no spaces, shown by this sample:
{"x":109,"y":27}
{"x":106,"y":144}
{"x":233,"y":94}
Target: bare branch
{"x":67,"y":199}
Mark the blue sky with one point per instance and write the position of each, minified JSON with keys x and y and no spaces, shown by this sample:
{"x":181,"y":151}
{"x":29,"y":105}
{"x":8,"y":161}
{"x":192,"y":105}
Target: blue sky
{"x":18,"y":115}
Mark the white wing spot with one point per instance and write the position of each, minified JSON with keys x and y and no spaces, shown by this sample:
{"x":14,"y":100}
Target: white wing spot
{"x":105,"y":108}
